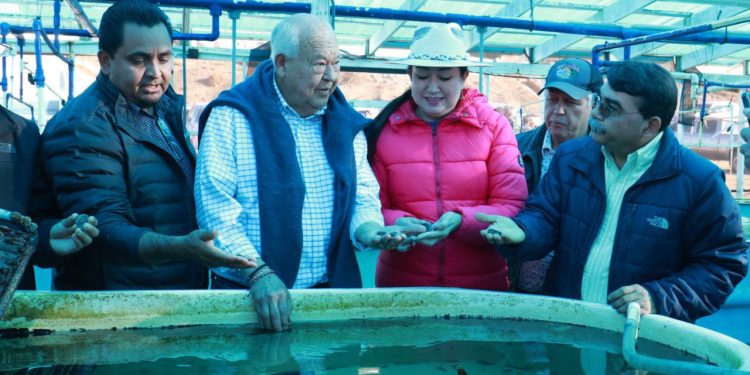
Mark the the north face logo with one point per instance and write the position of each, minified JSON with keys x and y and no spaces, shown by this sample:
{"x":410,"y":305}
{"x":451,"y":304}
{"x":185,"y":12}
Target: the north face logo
{"x":659,"y":222}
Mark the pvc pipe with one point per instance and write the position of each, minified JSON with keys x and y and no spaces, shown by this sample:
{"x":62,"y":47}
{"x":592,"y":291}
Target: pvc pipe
{"x":69,"y":32}
{"x":481,"y":30}
{"x":215,"y":14}
{"x":4,"y":30}
{"x":659,"y":365}
{"x":615,"y":31}
{"x":56,"y":52}
{"x":728,"y":85}
{"x":675,"y":33}
{"x":56,"y":24}
{"x":39,"y":75}
{"x":21,"y":43}
{"x":707,"y":84}
{"x":234,"y":15}
{"x":596,"y":51}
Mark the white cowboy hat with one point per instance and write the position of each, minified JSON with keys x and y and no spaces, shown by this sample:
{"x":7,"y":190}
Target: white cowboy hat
{"x":438,"y":46}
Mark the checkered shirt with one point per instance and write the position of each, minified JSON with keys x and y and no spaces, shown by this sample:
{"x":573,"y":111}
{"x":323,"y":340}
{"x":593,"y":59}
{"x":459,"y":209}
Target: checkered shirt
{"x":158,"y":129}
{"x":226,"y":191}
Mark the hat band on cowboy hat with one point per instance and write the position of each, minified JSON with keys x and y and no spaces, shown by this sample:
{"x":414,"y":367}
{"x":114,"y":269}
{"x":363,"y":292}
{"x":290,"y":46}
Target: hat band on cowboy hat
{"x":438,"y":46}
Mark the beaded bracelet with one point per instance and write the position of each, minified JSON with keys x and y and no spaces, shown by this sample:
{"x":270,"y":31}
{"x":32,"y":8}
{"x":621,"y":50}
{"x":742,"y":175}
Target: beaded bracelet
{"x":262,"y":266}
{"x":258,"y":274}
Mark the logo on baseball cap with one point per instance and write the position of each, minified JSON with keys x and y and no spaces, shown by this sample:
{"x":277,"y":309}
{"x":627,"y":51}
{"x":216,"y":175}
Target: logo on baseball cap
{"x":575,"y":77}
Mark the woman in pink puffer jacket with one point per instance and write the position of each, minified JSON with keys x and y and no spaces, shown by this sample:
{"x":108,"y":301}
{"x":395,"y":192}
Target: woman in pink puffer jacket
{"x":441,"y":154}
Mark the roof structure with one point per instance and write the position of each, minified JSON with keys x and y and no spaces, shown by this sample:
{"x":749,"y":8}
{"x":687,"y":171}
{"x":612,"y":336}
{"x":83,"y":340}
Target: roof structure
{"x":367,"y":39}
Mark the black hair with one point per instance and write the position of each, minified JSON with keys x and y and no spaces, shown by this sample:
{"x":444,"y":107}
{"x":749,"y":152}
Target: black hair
{"x":372,"y":132}
{"x":139,"y":12}
{"x":650,"y":83}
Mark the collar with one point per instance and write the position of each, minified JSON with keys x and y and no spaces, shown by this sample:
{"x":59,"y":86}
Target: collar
{"x":547,"y":143}
{"x":287,"y":107}
{"x":642,"y":157}
{"x":136,"y":110}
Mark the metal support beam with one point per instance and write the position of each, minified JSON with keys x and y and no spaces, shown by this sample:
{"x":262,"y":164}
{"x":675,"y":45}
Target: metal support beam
{"x":706,"y":54}
{"x":389,"y":27}
{"x":515,"y":8}
{"x":611,"y":14}
{"x":705,"y":16}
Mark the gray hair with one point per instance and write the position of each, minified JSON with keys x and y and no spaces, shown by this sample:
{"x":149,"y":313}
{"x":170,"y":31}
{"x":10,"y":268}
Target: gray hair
{"x":287,"y":35}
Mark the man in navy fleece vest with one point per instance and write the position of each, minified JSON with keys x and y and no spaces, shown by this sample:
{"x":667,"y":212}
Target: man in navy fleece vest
{"x":283,"y":175}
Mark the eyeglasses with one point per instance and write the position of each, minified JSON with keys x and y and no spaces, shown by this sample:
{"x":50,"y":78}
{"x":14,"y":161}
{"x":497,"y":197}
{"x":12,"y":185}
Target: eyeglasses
{"x":606,"y":108}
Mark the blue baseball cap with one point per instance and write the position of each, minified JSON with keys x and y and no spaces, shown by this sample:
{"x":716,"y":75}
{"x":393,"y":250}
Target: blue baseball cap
{"x":575,"y":77}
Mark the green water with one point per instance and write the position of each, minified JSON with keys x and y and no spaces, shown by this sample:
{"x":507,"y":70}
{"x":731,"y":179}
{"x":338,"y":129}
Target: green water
{"x":392,"y":346}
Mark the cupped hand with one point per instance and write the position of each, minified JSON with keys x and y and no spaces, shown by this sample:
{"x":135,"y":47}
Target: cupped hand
{"x":68,"y":237}
{"x":198,"y":247}
{"x":502,"y":230}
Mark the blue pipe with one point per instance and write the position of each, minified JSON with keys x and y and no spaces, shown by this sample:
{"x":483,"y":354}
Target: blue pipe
{"x":56,"y":23}
{"x":707,"y":84}
{"x":598,"y":49}
{"x":68,"y":61}
{"x":487,"y":21}
{"x":215,"y":14}
{"x":4,"y":30}
{"x":234,"y":16}
{"x":21,"y":43}
{"x":70,"y":32}
{"x":39,"y":76}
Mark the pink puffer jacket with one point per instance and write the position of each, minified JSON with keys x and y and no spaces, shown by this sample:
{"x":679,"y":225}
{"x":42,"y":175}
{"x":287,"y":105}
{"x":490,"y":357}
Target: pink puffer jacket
{"x":469,"y":164}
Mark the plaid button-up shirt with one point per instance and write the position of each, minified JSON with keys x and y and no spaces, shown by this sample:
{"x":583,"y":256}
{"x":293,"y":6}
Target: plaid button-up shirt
{"x":226,"y":190}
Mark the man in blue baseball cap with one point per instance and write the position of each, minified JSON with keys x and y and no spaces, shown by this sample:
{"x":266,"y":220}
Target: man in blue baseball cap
{"x":567,"y":106}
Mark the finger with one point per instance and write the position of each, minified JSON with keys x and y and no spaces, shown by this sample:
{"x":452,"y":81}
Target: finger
{"x":626,"y":299}
{"x":416,"y":228}
{"x":275,"y":315}
{"x":486,"y":218}
{"x":403,"y":248}
{"x":82,"y":237}
{"x":241,"y":262}
{"x":77,"y":245}
{"x":285,"y":309}
{"x":207,"y":234}
{"x":617,"y":294}
{"x":93,"y":221}
{"x":69,"y":221}
{"x":265,"y":317}
{"x":91,"y":230}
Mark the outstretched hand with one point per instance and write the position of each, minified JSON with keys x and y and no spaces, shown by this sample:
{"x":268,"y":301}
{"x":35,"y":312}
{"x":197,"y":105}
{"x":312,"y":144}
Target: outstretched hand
{"x":198,"y":246}
{"x":448,"y":222}
{"x":385,"y":238}
{"x":502,"y":230}
{"x":72,"y":234}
